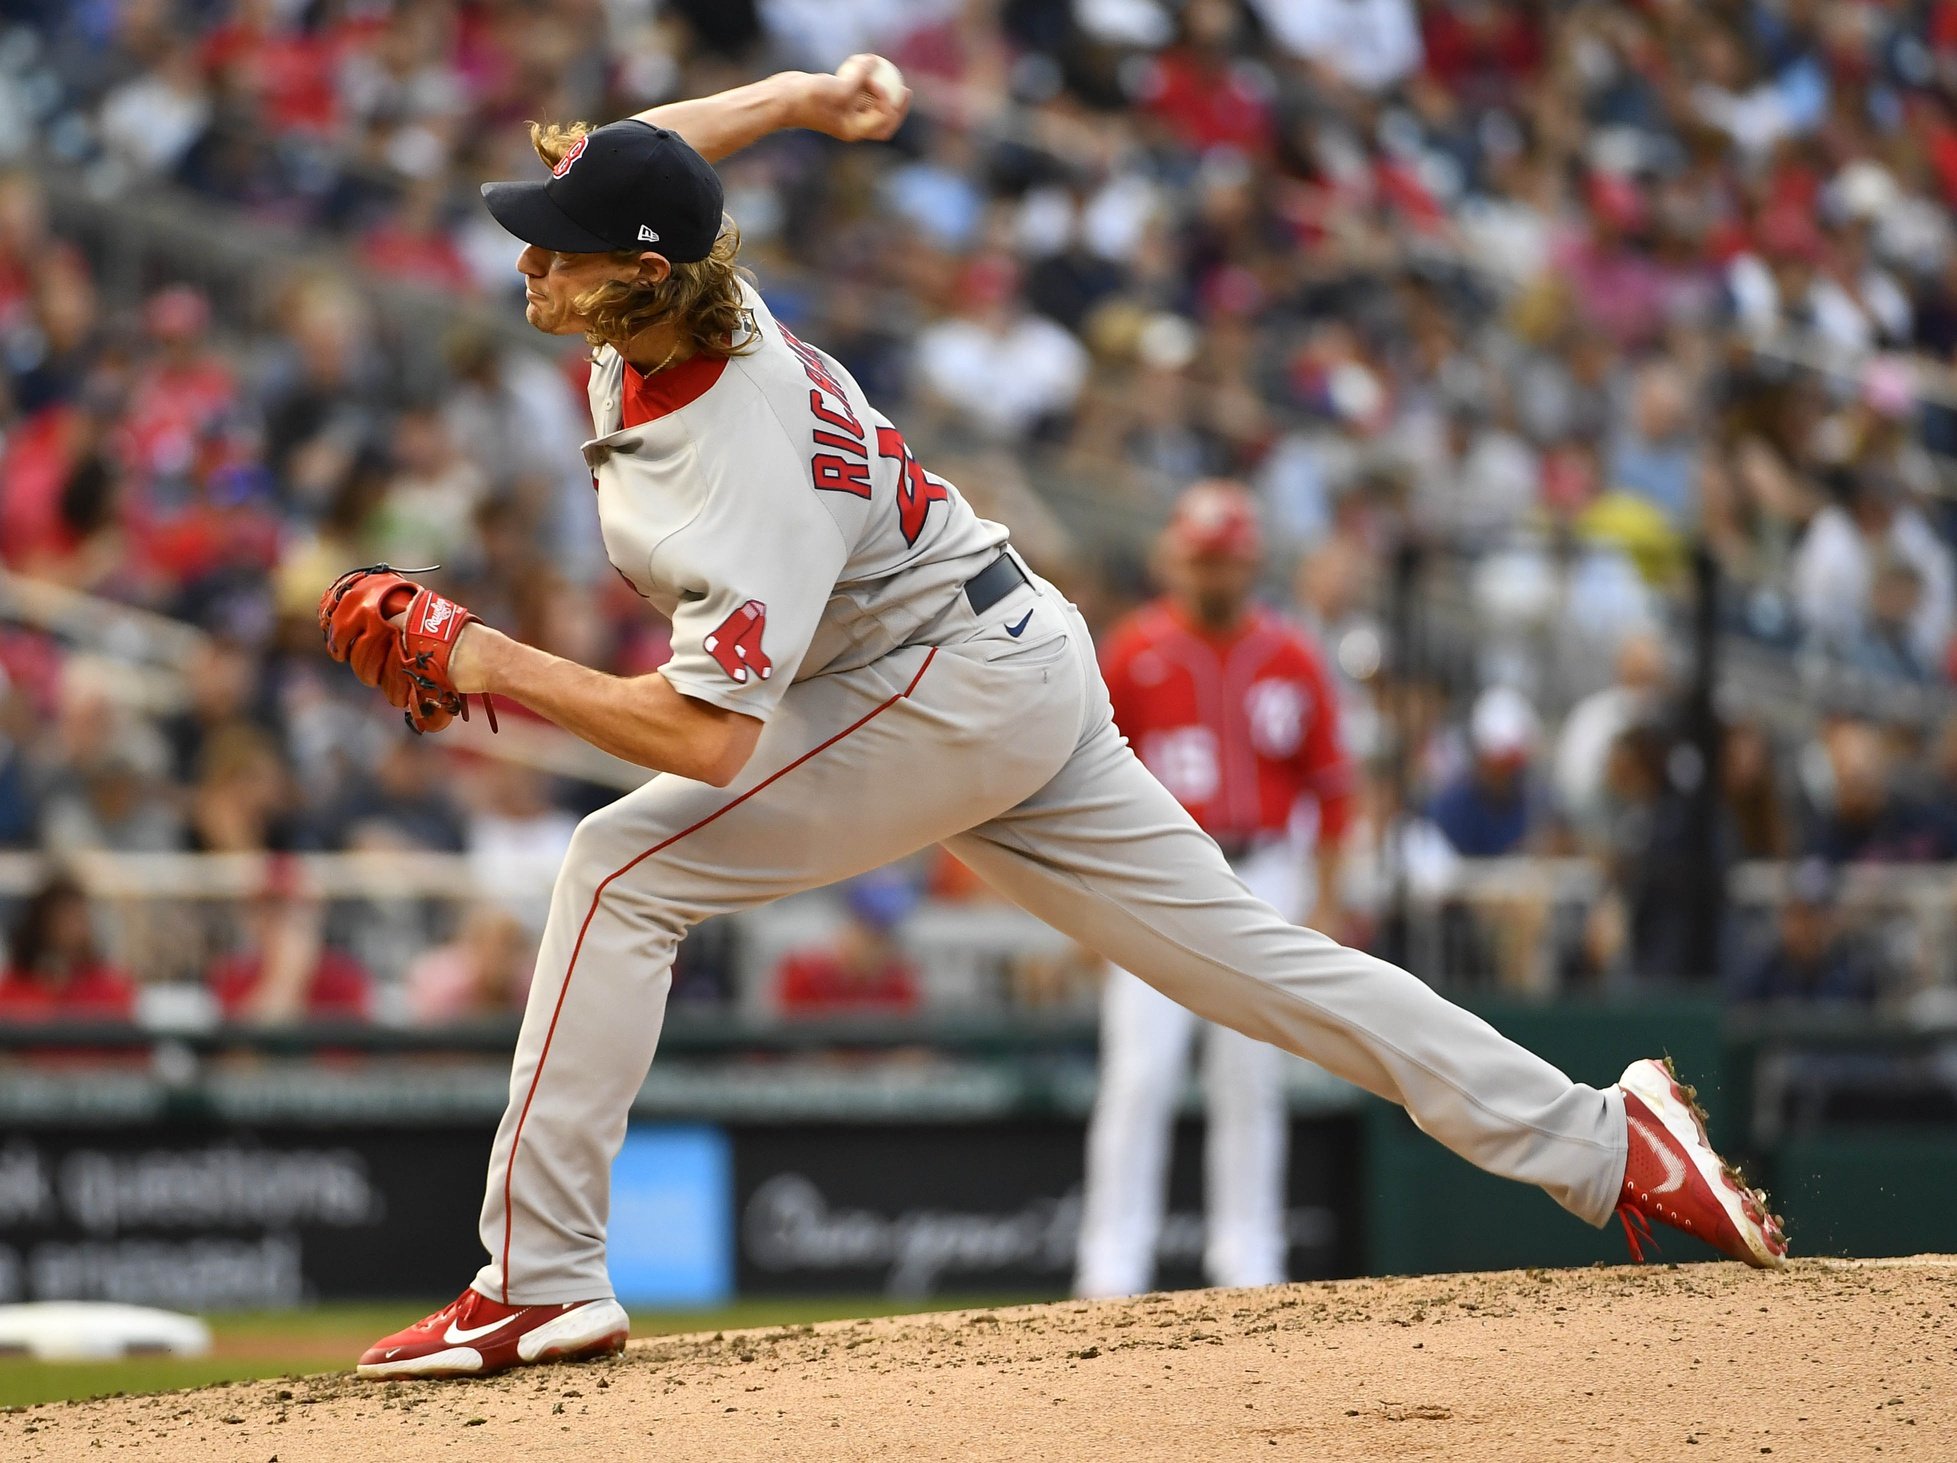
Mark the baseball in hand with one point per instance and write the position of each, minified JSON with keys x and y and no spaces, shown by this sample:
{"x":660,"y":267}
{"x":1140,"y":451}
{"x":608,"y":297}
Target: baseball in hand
{"x":865,"y":101}
{"x":886,"y":78}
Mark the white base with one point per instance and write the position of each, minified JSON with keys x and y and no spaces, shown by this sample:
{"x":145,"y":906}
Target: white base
{"x":79,"y":1330}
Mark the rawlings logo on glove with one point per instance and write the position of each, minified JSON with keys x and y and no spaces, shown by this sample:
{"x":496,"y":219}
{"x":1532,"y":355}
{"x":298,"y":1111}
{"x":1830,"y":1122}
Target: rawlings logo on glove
{"x":408,"y":662}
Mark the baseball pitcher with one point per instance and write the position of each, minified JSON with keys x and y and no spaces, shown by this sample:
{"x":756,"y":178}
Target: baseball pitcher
{"x":862,"y":667}
{"x":1232,"y":711}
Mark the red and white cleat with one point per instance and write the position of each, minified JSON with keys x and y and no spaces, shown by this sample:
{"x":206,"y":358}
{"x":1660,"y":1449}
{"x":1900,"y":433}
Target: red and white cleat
{"x":1672,"y":1174}
{"x":474,"y":1335}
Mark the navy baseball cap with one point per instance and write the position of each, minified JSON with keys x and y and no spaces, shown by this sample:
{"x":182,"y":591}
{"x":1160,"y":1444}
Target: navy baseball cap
{"x":627,"y":185}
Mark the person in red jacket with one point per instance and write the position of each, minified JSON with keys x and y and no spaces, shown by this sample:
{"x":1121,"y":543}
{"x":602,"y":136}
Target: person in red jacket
{"x":1232,"y":710}
{"x":54,"y":970}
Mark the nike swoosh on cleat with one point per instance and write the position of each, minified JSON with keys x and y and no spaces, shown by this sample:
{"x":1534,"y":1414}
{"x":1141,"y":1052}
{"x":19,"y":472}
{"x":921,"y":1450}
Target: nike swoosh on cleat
{"x":457,"y":1338}
{"x":1017,"y":630}
{"x":1674,"y":1165}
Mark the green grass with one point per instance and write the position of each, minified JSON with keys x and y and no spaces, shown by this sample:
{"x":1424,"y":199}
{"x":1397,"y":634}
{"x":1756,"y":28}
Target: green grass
{"x":327,"y":1338}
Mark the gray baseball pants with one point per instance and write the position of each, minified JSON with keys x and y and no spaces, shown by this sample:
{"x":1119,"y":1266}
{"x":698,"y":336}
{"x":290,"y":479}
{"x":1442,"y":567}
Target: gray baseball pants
{"x":1003,"y":749}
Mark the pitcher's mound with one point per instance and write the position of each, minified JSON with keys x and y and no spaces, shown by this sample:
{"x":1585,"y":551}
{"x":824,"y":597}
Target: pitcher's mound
{"x":1829,"y":1360}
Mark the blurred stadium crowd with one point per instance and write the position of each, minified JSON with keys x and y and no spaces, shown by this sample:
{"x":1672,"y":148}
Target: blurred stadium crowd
{"x":1511,"y":308}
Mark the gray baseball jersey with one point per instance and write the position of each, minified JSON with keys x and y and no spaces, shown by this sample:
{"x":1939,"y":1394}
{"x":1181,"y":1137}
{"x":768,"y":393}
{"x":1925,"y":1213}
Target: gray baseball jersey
{"x":775,"y":516}
{"x":814,"y":574}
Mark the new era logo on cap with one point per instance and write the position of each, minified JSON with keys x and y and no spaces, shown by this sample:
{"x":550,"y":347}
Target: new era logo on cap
{"x":647,"y":235}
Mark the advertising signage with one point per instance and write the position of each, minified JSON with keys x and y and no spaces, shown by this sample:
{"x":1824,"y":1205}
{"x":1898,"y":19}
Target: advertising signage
{"x":201,"y":1218}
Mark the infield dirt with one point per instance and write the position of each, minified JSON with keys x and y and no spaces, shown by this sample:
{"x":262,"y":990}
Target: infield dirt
{"x":1826,"y":1361}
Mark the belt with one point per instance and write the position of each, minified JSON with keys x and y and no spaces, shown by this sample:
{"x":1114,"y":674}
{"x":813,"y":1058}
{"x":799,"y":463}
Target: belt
{"x":993,"y":583}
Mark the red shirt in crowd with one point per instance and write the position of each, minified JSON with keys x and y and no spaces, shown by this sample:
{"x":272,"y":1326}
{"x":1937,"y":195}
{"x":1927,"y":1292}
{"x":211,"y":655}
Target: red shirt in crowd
{"x":1207,"y":103}
{"x":816,"y":983}
{"x":400,"y":252}
{"x":93,"y":993}
{"x":291,"y":70}
{"x":1481,"y":47}
{"x":340,"y":986}
{"x":1240,"y":727}
{"x":171,"y":408}
{"x":38,"y":456}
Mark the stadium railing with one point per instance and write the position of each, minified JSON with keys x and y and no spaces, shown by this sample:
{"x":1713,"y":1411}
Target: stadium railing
{"x":167,"y":917}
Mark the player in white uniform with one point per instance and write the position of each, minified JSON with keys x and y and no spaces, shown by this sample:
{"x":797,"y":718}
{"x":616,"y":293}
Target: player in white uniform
{"x":1232,"y":710}
{"x":861,"y":667}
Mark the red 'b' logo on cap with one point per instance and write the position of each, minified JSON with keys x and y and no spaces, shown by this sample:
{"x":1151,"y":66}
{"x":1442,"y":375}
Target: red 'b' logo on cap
{"x":563,"y":164}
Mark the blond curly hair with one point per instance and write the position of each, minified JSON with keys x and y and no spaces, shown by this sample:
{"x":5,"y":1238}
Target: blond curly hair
{"x":703,"y":297}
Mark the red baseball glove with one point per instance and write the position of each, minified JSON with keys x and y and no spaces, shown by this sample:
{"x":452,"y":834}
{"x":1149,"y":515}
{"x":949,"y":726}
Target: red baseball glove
{"x":407,"y":662}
